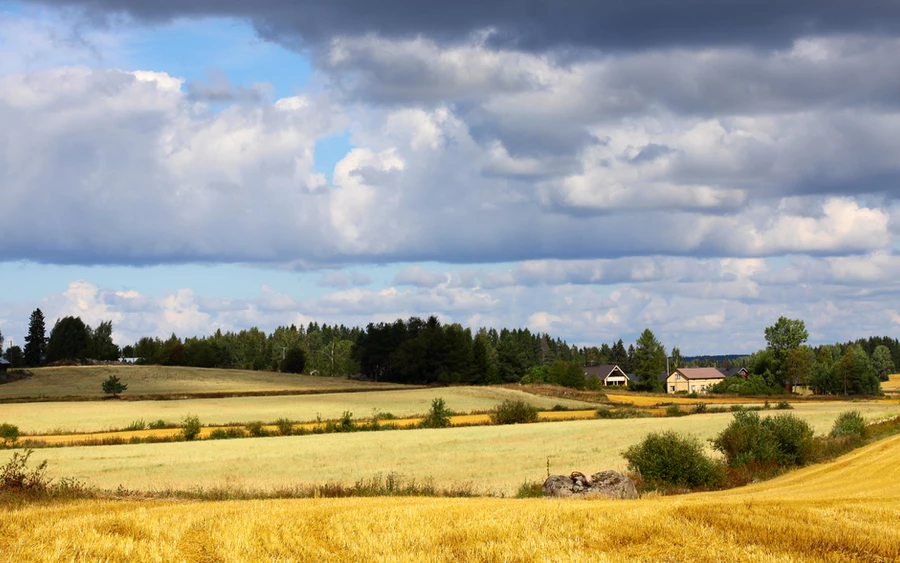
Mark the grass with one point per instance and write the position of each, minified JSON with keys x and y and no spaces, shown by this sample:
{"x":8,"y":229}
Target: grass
{"x":497,"y":459}
{"x":844,"y":511}
{"x":83,"y":382}
{"x":72,"y":416}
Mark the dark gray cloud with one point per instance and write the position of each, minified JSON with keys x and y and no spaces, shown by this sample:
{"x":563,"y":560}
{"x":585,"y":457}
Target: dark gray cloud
{"x":535,"y":25}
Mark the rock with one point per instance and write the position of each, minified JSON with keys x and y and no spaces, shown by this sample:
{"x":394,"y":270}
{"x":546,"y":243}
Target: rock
{"x":605,"y":484}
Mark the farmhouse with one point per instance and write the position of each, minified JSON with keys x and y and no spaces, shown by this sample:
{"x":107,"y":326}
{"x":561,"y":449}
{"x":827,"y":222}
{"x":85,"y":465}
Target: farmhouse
{"x":608,"y":374}
{"x":693,"y":380}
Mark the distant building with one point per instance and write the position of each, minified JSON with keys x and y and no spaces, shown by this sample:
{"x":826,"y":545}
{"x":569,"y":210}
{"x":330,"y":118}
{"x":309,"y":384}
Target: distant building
{"x":607,"y":374}
{"x":735,"y":372}
{"x":693,"y":380}
{"x":4,"y":365}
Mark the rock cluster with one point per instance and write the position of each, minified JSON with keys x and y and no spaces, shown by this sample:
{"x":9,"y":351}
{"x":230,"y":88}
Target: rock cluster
{"x":605,"y":484}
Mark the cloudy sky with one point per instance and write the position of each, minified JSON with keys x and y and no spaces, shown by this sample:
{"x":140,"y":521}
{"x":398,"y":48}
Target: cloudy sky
{"x":586,"y":168}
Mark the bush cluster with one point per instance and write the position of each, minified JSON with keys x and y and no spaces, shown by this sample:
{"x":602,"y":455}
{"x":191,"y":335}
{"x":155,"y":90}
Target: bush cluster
{"x":514,"y":412}
{"x":850,"y":423}
{"x":776,"y":440}
{"x":669,"y":459}
{"x":438,"y":416}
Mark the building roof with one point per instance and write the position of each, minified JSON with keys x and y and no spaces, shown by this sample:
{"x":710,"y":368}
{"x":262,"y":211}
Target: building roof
{"x":602,"y":371}
{"x":700,"y":373}
{"x":3,"y":362}
{"x":731,"y":372}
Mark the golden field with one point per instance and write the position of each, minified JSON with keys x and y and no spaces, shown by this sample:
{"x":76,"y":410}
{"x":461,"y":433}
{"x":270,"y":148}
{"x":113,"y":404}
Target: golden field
{"x":458,"y":420}
{"x":892,"y":385}
{"x":847,"y":510}
{"x":96,"y":416}
{"x":496,"y":459}
{"x":84,"y":382}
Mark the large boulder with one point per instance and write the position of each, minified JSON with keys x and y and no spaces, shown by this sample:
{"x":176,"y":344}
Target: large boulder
{"x":605,"y":484}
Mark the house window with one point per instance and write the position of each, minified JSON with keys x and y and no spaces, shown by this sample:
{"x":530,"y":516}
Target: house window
{"x":677,"y":377}
{"x":672,"y":388}
{"x":693,"y":387}
{"x":703,"y":387}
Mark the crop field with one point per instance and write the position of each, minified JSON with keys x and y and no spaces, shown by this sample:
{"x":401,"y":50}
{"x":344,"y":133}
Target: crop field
{"x":94,"y":416}
{"x":84,"y":381}
{"x":843,"y":511}
{"x":892,"y":385}
{"x":494,"y":459}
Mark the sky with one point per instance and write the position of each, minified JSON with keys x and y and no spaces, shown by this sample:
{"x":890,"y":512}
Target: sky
{"x":586,"y":168}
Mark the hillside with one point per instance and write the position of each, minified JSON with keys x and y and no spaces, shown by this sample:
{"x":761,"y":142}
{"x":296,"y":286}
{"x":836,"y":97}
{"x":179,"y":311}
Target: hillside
{"x":83,"y":382}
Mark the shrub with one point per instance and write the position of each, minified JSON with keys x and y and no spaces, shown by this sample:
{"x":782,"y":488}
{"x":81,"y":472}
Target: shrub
{"x":9,"y":433}
{"x":605,"y":412}
{"x":285,"y":426}
{"x":346,"y":423}
{"x":113,"y":386}
{"x":850,"y":423}
{"x":438,"y":416}
{"x":673,"y":410}
{"x":190,"y":428}
{"x":699,"y":408}
{"x":136,"y":425}
{"x":256,"y":429}
{"x":783,"y":406}
{"x":530,"y":489}
{"x":669,"y":459}
{"x":781,"y":440}
{"x":218,"y":434}
{"x":16,"y":477}
{"x":158,"y":424}
{"x":514,"y":412}
{"x":559,"y":408}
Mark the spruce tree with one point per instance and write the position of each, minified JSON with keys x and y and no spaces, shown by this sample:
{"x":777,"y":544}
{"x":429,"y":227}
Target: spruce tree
{"x":36,"y":341}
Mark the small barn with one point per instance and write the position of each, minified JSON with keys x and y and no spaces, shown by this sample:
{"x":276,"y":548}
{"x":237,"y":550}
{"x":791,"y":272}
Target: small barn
{"x":607,"y":374}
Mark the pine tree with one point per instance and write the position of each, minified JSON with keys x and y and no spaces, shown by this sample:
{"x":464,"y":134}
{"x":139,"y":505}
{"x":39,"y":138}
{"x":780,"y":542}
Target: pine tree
{"x":36,"y":341}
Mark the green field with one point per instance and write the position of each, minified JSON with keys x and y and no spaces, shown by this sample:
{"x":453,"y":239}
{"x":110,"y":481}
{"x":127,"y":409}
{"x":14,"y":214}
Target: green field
{"x":84,"y":382}
{"x":495,"y":459}
{"x":93,"y":416}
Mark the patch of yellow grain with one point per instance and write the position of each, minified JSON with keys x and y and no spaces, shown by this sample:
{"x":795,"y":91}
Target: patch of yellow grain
{"x":892,"y":385}
{"x":845,"y":511}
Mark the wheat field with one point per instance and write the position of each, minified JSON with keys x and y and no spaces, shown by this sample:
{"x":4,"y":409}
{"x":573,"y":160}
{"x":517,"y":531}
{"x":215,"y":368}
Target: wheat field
{"x":84,"y":382}
{"x":844,"y":511}
{"x":497,"y":459}
{"x":96,"y":416}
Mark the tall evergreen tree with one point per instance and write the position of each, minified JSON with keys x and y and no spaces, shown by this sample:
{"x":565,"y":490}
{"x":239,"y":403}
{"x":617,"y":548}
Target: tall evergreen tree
{"x":649,"y":361}
{"x":36,"y":340}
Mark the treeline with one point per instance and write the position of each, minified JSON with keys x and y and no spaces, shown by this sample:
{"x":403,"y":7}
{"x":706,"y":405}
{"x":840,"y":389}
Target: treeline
{"x":852,"y":368}
{"x":70,"y":339}
{"x":325,"y":349}
{"x":421,"y":351}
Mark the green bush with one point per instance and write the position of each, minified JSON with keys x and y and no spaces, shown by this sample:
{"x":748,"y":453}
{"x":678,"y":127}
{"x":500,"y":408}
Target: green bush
{"x":783,"y":406}
{"x":256,"y":429}
{"x":218,"y":434}
{"x":782,"y":440}
{"x":158,"y":424}
{"x":438,"y":416}
{"x":138,"y":424}
{"x":699,"y":408}
{"x":226,"y":433}
{"x":190,"y":428}
{"x":674,"y":410}
{"x":605,"y":412}
{"x":285,"y":426}
{"x":9,"y":433}
{"x":669,"y":459}
{"x":850,"y":423}
{"x":113,"y":386}
{"x":514,"y":412}
{"x":559,"y":408}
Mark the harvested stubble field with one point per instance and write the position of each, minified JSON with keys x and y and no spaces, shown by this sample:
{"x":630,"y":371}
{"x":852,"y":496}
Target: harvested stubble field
{"x":84,"y":382}
{"x":94,"y":416}
{"x":847,"y":510}
{"x":495,"y":459}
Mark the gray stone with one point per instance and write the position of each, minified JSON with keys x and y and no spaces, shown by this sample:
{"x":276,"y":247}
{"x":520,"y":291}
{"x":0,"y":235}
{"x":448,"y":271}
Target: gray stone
{"x":605,"y":484}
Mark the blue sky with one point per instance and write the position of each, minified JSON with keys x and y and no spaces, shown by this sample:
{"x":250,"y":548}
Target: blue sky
{"x":223,"y":165}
